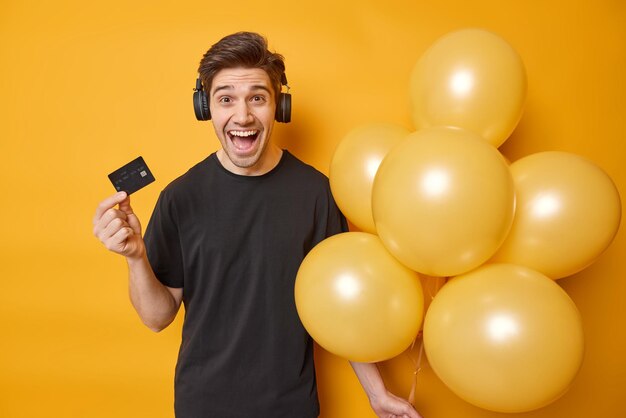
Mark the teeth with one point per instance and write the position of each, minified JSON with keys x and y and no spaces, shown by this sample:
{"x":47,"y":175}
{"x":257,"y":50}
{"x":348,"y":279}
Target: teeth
{"x":242,"y":134}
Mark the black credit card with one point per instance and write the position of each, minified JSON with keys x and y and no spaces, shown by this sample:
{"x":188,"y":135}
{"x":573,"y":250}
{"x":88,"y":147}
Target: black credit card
{"x":132,"y":177}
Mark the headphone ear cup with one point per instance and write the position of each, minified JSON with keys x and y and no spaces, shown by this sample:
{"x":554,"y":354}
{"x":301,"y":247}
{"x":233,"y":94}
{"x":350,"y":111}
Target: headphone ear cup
{"x":283,"y":108}
{"x":201,"y":105}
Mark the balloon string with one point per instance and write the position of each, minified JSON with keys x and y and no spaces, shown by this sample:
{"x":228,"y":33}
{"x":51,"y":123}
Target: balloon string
{"x":417,"y":365}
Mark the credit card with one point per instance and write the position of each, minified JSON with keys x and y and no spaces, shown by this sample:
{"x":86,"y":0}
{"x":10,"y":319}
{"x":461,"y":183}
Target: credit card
{"x":133,"y":176}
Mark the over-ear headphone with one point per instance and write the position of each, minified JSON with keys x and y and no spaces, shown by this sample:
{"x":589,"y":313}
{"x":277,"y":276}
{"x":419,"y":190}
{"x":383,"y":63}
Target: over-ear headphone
{"x":201,"y":102}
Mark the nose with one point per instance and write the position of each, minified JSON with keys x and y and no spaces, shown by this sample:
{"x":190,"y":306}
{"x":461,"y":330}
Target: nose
{"x":243,"y":114}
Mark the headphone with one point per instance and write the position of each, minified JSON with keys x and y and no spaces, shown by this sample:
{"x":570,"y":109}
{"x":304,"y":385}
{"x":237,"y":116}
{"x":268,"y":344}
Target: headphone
{"x":201,"y":102}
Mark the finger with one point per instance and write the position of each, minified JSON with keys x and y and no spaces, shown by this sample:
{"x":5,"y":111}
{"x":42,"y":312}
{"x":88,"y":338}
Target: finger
{"x":125,"y":206}
{"x":134,"y":223}
{"x":119,"y":240}
{"x":112,"y":228}
{"x":108,"y":203}
{"x":133,"y":220}
{"x":107,"y":218}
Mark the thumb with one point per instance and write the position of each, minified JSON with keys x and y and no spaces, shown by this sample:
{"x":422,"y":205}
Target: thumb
{"x":131,"y":218}
{"x":125,"y":206}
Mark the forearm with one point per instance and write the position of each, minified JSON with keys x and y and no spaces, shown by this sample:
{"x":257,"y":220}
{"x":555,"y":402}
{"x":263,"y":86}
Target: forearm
{"x":154,"y":303}
{"x":370,"y":379}
{"x":384,"y":403}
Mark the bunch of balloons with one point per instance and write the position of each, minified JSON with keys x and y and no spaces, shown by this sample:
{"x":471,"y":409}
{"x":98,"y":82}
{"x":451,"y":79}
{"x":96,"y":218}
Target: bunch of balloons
{"x":443,"y":202}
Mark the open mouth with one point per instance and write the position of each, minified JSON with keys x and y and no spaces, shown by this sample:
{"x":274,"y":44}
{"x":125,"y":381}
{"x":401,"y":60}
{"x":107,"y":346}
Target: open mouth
{"x":243,"y":140}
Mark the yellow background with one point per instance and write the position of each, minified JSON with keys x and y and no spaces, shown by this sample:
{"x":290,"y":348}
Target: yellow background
{"x":87,"y":86}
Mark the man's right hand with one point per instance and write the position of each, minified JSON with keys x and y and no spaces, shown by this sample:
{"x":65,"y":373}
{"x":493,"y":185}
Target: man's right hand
{"x":119,"y":228}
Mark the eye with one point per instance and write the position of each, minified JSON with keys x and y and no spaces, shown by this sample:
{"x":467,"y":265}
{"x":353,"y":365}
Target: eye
{"x":258,"y":99}
{"x":224,"y":99}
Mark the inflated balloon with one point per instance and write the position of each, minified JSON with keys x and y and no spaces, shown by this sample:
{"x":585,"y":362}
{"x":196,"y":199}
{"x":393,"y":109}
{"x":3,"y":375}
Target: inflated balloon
{"x":354,"y":166}
{"x":471,"y":79}
{"x":568,"y":212}
{"x":504,"y":338}
{"x":356,"y":300}
{"x":443,"y":201}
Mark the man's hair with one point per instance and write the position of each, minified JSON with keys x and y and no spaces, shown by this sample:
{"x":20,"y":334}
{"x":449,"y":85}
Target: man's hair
{"x":242,"y":50}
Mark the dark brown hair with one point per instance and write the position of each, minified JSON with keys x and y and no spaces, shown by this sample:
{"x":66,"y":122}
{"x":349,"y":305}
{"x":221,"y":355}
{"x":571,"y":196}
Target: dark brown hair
{"x":245,"y":50}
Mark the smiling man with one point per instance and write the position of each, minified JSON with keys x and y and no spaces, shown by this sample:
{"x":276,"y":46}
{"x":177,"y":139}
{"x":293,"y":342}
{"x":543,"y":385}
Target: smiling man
{"x":242,"y":106}
{"x":226,"y":239}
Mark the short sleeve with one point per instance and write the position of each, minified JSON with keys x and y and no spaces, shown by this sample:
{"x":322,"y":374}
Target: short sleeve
{"x":163,"y":244}
{"x":329,"y":219}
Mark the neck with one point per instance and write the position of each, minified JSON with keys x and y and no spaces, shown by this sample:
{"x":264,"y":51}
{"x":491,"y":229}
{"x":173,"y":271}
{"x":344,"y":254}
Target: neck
{"x":270,"y":159}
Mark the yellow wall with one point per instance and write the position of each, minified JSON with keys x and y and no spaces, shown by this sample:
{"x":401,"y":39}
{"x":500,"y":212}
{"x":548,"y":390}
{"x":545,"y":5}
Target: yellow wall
{"x":87,"y":86}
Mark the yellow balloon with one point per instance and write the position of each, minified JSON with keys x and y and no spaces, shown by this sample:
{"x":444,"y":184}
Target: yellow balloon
{"x":356,"y":300}
{"x":504,"y":338}
{"x":443,"y":201}
{"x":354,"y":166}
{"x":568,"y":212}
{"x":471,"y":79}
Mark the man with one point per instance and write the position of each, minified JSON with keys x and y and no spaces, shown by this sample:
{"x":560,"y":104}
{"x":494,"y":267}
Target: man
{"x":227,"y":238}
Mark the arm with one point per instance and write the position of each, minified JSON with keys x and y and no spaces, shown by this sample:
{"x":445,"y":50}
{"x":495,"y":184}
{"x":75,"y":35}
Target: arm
{"x":155,"y":303}
{"x":120,"y":232}
{"x":384,"y":403}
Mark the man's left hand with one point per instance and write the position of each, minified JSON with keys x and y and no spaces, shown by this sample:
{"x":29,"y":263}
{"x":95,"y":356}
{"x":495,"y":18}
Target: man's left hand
{"x":390,"y":406}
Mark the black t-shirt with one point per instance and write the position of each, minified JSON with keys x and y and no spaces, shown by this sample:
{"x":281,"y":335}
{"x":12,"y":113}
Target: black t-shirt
{"x":234,"y":244}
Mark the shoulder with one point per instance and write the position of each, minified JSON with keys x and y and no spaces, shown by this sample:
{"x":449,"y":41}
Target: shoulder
{"x":295,"y":166}
{"x":304,"y":182}
{"x":190,"y":180}
{"x":182,"y":192}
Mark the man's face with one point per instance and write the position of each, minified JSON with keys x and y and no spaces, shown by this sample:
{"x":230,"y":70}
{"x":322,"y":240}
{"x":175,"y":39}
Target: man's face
{"x":242,"y":105}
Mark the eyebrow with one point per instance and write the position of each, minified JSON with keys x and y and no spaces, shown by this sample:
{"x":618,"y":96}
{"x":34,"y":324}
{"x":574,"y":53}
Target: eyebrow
{"x":252,"y":88}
